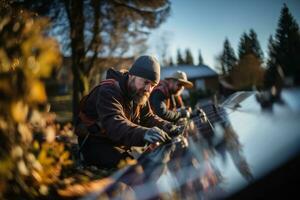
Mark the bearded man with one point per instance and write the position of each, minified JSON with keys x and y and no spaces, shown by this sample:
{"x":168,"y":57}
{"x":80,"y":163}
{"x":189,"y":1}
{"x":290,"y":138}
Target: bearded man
{"x":116,"y":115}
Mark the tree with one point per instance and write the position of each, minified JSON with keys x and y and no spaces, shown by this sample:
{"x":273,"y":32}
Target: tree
{"x":92,"y":28}
{"x":287,"y":45}
{"x":32,"y":160}
{"x":227,"y":58}
{"x":200,"y":59}
{"x":163,"y":46}
{"x":171,"y":63}
{"x":270,"y":74}
{"x":180,"y":60}
{"x":255,"y":46}
{"x":244,"y":45}
{"x":247,"y":73}
{"x":249,"y":45}
{"x":189,"y":60}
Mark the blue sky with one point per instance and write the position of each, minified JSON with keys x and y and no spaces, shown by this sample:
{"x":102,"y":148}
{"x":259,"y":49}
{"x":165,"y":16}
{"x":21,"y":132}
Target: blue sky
{"x":201,"y":24}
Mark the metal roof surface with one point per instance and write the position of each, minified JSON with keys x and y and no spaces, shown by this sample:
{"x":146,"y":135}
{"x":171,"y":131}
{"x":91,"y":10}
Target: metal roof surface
{"x":246,"y":142}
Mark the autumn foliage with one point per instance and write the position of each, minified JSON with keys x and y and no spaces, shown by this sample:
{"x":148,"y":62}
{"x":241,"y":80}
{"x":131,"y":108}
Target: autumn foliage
{"x":248,"y":73}
{"x":31,"y":158}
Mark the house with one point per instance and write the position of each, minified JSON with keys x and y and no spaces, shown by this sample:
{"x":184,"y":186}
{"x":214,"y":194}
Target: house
{"x":203,"y":77}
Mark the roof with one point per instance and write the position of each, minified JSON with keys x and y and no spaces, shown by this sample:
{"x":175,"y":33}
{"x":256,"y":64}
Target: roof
{"x":192,"y":71}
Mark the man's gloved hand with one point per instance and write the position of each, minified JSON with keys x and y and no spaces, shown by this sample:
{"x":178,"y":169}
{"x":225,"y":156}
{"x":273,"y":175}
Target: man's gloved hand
{"x":155,"y":134}
{"x":184,"y":112}
{"x":200,"y":113}
{"x":178,"y":130}
{"x":173,"y":130}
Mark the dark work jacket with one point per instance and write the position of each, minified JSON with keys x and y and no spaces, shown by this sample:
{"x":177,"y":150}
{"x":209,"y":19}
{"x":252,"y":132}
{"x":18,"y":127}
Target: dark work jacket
{"x":123,"y":123}
{"x":165,"y":104}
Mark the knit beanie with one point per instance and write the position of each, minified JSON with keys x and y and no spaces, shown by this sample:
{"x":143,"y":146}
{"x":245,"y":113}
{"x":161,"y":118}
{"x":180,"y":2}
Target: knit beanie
{"x":146,"y":67}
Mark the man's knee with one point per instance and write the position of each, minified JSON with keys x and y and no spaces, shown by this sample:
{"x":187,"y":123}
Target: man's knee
{"x":101,"y":154}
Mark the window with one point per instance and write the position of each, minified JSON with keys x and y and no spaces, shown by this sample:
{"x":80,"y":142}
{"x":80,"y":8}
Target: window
{"x":200,"y":84}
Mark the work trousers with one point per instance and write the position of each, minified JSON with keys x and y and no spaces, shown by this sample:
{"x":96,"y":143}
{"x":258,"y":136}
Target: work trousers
{"x":101,"y":152}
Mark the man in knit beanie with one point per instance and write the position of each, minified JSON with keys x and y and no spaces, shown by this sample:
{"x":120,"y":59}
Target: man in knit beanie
{"x":116,"y":115}
{"x":143,"y":76}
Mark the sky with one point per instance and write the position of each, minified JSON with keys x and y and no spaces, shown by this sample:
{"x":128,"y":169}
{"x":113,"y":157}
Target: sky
{"x":204,"y":25}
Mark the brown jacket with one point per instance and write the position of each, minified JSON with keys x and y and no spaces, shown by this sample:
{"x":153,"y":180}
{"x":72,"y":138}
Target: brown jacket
{"x":117,"y":117}
{"x":165,"y":104}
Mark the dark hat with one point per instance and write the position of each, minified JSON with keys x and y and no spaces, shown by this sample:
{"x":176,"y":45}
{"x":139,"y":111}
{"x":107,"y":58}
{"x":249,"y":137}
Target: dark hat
{"x":181,"y":77}
{"x":146,"y":67}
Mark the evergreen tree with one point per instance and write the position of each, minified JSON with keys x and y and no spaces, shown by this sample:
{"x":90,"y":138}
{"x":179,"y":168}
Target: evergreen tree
{"x":244,"y":45}
{"x":287,"y":45}
{"x":271,"y":52}
{"x":249,"y":45}
{"x":247,"y":73}
{"x":200,"y":59}
{"x":189,"y":60}
{"x":255,"y":46}
{"x":180,"y":60}
{"x":171,"y":63}
{"x":227,"y":58}
{"x":271,"y":65}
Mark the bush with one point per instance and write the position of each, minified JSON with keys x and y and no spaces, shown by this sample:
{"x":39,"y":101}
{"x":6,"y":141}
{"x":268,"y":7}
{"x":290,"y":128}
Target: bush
{"x":31,"y":158}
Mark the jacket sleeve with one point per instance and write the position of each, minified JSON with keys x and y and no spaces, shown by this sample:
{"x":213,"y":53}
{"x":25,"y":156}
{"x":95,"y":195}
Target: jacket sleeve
{"x":112,"y":116}
{"x":149,"y":119}
{"x":158,"y":105}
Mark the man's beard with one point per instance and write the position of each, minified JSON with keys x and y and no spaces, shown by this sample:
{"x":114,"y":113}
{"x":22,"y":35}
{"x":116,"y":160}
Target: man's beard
{"x":139,"y":97}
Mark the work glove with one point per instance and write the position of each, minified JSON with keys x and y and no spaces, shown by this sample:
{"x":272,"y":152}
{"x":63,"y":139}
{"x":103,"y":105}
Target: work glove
{"x":198,"y":112}
{"x":184,"y":113}
{"x":173,"y":130}
{"x":155,"y":134}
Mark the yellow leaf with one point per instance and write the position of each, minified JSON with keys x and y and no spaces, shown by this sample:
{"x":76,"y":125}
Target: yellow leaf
{"x":22,"y":168}
{"x":19,"y":111}
{"x":44,"y":190}
{"x":37,"y":92}
{"x":36,"y":145}
{"x":67,"y":162}
{"x":37,"y":176}
{"x":5,"y":64}
{"x":16,"y":152}
{"x":44,"y":159}
{"x":25,"y":132}
{"x":6,"y":166}
{"x":64,"y":156}
{"x":50,"y":134}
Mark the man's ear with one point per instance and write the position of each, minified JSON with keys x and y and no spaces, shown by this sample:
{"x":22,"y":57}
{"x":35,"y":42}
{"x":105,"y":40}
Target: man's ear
{"x":131,"y":78}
